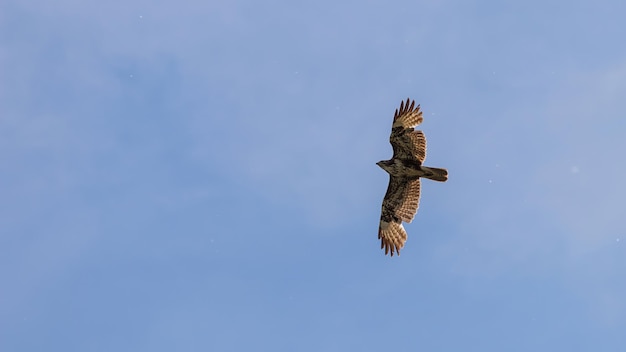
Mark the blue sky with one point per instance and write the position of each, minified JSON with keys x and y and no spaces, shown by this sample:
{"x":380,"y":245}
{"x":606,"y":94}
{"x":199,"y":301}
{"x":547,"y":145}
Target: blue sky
{"x":200,"y":176}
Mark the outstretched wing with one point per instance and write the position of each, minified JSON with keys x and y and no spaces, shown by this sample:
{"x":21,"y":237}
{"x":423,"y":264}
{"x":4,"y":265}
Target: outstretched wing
{"x":400,"y":204}
{"x":406,"y":142}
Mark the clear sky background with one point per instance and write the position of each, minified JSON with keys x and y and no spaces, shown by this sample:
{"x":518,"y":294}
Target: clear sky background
{"x":200,"y":175}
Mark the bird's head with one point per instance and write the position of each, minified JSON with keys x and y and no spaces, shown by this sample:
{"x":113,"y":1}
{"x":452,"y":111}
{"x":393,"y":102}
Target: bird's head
{"x":385,"y":164}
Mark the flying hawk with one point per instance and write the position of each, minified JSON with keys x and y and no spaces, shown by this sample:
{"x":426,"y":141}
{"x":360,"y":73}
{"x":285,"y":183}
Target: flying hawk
{"x":405,"y":169}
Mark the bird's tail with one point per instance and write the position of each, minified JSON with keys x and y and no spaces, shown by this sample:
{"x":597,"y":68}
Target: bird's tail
{"x":435,"y":173}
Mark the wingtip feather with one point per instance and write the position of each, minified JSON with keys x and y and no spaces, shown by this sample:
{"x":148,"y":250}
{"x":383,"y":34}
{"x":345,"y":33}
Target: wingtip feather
{"x":392,"y":237}
{"x":408,"y":115}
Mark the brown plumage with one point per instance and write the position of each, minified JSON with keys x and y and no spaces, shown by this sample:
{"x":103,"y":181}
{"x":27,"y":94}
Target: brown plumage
{"x":405,"y":170}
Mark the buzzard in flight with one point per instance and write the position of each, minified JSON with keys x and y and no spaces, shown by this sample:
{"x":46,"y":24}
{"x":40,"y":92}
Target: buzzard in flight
{"x":405,"y":169}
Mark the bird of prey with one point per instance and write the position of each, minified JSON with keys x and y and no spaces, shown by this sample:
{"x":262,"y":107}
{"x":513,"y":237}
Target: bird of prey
{"x":405,"y":170}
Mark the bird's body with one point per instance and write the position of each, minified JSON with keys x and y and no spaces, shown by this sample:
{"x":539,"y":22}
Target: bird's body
{"x":405,"y":170}
{"x":410,"y":169}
